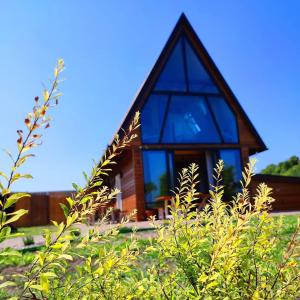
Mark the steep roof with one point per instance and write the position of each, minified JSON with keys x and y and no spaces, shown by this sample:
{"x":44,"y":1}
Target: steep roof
{"x":183,"y":27}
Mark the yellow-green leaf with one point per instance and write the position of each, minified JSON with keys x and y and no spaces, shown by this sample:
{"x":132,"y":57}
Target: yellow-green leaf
{"x":16,"y":216}
{"x":12,"y":199}
{"x":66,"y":256}
{"x":6,"y":284}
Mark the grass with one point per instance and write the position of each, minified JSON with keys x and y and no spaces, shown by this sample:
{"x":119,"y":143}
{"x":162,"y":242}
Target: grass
{"x":131,"y":229}
{"x":39,"y":230}
{"x":35,"y":230}
{"x":290,"y":223}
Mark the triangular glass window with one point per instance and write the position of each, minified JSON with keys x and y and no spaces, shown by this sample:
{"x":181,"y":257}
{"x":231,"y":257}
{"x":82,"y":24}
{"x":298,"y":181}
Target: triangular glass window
{"x":189,"y":121}
{"x":172,"y":77}
{"x":198,"y":78}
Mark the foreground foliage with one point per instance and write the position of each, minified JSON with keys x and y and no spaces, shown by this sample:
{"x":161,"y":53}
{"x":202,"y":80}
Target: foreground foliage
{"x":229,"y":250}
{"x":226,"y":252}
{"x":222,"y":252}
{"x":35,"y":121}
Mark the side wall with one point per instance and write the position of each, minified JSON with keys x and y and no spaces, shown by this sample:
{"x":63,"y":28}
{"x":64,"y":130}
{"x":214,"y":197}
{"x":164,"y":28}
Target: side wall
{"x":42,"y":208}
{"x":127,"y":184}
{"x":286,"y":191}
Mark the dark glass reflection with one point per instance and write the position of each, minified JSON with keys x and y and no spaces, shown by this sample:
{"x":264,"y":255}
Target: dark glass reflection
{"x":199,"y":80}
{"x":172,"y":77}
{"x":156,"y":176}
{"x":225,"y":118}
{"x":189,"y":121}
{"x":152,"y":118}
{"x":232,"y":171}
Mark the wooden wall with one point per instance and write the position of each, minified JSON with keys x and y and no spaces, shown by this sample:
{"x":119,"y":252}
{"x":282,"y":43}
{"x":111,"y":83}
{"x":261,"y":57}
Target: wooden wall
{"x":125,"y":168}
{"x":127,"y":185}
{"x":42,"y":208}
{"x":139,"y":183}
{"x":286,"y":191}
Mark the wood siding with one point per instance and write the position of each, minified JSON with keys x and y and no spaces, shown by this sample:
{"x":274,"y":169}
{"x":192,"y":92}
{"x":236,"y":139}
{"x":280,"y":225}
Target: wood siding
{"x":139,"y":183}
{"x":286,"y":191}
{"x":42,"y":208}
{"x":127,"y":183}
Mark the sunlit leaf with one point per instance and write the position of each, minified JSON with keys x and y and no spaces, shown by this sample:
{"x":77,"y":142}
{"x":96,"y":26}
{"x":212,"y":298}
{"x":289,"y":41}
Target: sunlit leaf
{"x":12,"y":199}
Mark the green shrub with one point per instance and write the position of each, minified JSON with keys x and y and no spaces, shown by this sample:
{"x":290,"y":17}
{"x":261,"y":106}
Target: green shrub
{"x":28,"y":240}
{"x":227,"y":251}
{"x":28,"y":138}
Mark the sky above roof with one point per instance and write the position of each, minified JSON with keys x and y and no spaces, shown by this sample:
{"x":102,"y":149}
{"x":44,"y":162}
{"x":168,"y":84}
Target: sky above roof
{"x":110,"y":47}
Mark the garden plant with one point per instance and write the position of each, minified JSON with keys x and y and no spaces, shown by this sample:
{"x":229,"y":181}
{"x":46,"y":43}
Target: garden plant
{"x":229,"y":250}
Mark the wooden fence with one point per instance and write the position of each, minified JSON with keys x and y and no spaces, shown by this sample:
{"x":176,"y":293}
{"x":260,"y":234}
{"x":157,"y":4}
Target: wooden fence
{"x":286,"y":191}
{"x":42,"y":208}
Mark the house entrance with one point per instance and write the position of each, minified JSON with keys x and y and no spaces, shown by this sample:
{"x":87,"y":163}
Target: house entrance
{"x":184,"y":158}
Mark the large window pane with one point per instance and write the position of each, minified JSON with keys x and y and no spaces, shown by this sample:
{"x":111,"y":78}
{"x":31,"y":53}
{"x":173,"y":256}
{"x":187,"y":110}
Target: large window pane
{"x":156,"y":176}
{"x":189,"y":121}
{"x":172,"y":77}
{"x":225,"y":118}
{"x":152,"y":118}
{"x":199,"y":80}
{"x":232,"y":171}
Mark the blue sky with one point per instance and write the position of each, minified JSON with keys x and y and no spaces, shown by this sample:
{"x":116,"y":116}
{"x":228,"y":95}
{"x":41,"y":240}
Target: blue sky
{"x":109,"y":47}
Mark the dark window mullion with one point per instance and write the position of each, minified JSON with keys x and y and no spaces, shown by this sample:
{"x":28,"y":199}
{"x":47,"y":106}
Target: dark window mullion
{"x":185,"y":65}
{"x":164,"y":120}
{"x":214,"y":119}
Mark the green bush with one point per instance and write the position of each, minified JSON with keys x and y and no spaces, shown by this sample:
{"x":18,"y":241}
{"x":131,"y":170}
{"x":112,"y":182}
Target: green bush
{"x":28,"y":240}
{"x":227,"y":251}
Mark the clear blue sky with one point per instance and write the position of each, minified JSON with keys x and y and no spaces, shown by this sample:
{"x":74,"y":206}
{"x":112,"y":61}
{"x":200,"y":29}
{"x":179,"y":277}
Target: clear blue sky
{"x":109,"y":48}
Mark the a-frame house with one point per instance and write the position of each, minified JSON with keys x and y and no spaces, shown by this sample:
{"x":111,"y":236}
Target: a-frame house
{"x":188,"y":114}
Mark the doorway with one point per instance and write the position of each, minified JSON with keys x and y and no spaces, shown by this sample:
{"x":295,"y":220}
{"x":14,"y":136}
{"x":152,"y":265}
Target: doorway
{"x":183,"y":158}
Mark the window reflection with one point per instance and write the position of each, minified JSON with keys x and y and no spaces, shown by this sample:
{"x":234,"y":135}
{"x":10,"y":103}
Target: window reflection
{"x":225,"y":119}
{"x":172,"y":78}
{"x":232,"y":172}
{"x":152,"y":117}
{"x":198,"y":78}
{"x":189,"y":121}
{"x":177,"y":113}
{"x":157,"y":175}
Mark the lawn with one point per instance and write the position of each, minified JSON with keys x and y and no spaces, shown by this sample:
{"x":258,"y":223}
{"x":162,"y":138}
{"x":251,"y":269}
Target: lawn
{"x":35,"y":230}
{"x":39,"y":230}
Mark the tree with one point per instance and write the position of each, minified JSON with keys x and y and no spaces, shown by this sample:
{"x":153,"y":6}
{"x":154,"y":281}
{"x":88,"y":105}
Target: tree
{"x":290,"y":167}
